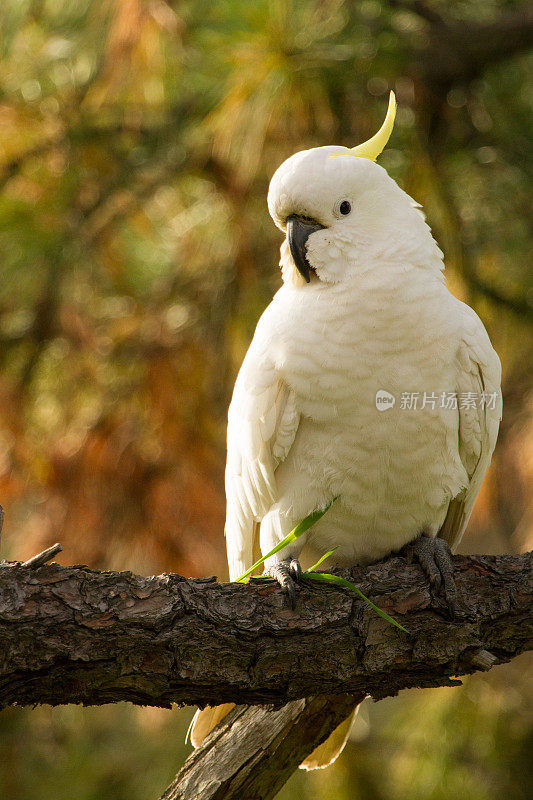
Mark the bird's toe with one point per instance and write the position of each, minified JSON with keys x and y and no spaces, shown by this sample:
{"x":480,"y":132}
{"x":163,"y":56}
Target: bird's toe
{"x":287,"y":573}
{"x":295,"y":569}
{"x":434,"y":556}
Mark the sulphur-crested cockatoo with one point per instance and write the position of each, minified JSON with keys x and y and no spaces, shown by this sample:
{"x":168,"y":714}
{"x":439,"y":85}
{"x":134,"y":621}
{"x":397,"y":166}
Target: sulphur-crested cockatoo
{"x":366,"y":381}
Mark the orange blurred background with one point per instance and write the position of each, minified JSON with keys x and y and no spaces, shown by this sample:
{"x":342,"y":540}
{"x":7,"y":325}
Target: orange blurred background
{"x":137,"y":139}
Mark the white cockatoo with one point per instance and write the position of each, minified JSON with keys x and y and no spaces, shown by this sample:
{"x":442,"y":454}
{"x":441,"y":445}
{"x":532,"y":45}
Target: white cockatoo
{"x":366,"y":381}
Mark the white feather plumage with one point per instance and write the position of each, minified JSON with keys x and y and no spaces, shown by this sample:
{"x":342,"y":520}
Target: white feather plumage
{"x":303,"y":424}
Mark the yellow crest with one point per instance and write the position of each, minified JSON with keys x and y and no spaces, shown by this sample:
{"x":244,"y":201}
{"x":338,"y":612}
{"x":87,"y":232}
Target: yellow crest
{"x":373,"y":147}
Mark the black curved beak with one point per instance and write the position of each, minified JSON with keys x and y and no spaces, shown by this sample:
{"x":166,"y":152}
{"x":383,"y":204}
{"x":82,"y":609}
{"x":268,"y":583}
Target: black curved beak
{"x":298,"y":232}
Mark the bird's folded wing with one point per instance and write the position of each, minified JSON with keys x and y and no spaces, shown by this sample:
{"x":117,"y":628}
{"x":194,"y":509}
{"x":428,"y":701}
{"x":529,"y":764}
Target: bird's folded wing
{"x":480,"y":410}
{"x":262,"y":424}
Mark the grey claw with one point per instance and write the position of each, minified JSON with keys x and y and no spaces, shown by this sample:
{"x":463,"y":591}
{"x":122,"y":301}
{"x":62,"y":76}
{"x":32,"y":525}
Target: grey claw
{"x":434,"y":556}
{"x":287,"y":573}
{"x":290,"y":589}
{"x":295,"y":569}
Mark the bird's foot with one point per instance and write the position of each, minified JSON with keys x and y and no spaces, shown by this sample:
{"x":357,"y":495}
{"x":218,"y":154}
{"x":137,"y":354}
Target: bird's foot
{"x":434,"y":556}
{"x":288,"y":574}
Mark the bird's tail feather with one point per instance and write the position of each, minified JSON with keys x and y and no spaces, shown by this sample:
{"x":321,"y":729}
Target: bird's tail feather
{"x":328,"y":752}
{"x":205,"y":720}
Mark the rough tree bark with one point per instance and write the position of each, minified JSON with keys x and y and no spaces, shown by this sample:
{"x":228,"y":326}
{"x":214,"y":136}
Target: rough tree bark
{"x":75,"y":635}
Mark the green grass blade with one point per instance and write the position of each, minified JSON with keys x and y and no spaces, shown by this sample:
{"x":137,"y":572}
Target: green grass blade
{"x":300,"y":529}
{"x":326,"y":578}
{"x":320,"y":560}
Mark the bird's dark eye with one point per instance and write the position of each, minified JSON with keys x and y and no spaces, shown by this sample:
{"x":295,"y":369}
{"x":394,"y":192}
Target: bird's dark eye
{"x":345,"y":207}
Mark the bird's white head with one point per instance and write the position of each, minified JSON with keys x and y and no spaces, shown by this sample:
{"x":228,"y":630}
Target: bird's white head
{"x":343,"y":214}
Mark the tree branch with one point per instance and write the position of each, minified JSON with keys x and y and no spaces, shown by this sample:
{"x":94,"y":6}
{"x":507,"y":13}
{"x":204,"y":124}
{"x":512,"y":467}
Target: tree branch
{"x":254,"y":750}
{"x":458,"y":51}
{"x":75,"y":635}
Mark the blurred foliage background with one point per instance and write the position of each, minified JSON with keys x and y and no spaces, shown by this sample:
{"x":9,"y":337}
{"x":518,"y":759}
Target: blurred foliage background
{"x":137,"y":138}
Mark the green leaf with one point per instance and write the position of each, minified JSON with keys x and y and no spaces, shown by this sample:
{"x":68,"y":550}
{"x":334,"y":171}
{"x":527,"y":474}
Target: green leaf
{"x":300,"y":529}
{"x":327,"y":578}
{"x":320,"y":560}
